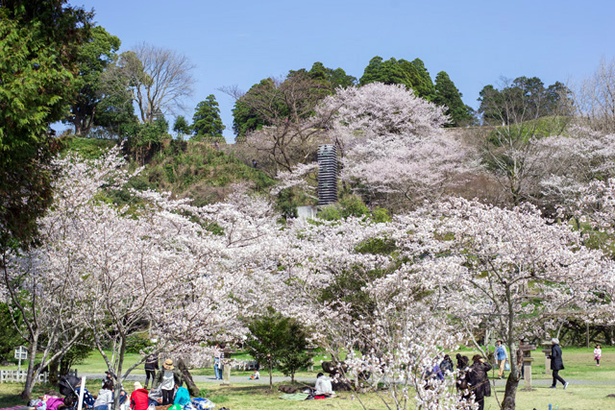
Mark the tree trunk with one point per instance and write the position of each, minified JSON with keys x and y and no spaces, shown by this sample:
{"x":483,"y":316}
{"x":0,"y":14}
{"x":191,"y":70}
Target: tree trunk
{"x":26,"y":394}
{"x":510,"y":394}
{"x":54,"y":371}
{"x":270,"y":377}
{"x":192,"y":388}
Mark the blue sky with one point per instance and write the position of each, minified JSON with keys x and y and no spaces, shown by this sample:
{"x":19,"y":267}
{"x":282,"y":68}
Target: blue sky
{"x":240,"y":42}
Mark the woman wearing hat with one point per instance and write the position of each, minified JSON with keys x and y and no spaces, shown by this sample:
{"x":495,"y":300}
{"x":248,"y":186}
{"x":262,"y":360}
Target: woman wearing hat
{"x":168,"y":379}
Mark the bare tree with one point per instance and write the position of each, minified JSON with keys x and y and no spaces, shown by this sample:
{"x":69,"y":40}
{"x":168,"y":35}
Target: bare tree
{"x":290,"y":133}
{"x":160,"y":79}
{"x":519,"y":114}
{"x":595,"y":98}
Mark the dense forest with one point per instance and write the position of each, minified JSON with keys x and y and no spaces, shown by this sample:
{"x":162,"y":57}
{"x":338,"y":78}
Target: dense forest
{"x":452,"y":226}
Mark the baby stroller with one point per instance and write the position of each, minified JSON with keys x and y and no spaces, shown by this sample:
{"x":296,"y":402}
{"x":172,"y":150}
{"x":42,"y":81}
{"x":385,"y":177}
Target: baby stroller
{"x":70,"y":386}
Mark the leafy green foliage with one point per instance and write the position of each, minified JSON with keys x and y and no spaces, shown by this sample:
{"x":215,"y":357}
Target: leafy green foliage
{"x":88,"y":148}
{"x":93,"y":58}
{"x":384,"y":246}
{"x":137,"y":342}
{"x":522,"y":100}
{"x":38,"y":45}
{"x":412,"y":74}
{"x":200,"y":171}
{"x":9,"y":337}
{"x":449,"y":96}
{"x":278,"y":341}
{"x":181,"y":127}
{"x":245,"y":114}
{"x":351,"y":205}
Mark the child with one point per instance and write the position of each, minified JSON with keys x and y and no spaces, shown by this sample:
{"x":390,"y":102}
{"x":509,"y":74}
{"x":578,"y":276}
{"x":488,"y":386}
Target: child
{"x":256,"y":375}
{"x":597,"y":354}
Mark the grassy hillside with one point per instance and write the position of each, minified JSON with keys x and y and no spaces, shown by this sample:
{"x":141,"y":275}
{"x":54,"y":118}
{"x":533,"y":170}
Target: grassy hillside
{"x":185,"y":168}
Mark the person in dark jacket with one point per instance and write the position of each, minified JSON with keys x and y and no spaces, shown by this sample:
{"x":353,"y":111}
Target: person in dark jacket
{"x":557,"y":363}
{"x":151,"y":367}
{"x":478,"y":381}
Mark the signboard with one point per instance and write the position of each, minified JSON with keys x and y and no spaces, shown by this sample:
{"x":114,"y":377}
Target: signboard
{"x":21,"y":353}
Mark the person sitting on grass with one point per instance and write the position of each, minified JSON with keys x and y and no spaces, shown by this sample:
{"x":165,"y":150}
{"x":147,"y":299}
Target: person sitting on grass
{"x":139,"y":399}
{"x":105,"y":397}
{"x":256,"y":374}
{"x":323,"y":386}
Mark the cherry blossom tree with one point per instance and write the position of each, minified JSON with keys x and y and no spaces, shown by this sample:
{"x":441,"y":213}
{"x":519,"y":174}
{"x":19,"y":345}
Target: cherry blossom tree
{"x":340,"y":286}
{"x":45,"y":283}
{"x":163,"y":264}
{"x":392,"y":141}
{"x":401,"y":292}
{"x":521,"y":274}
{"x":567,"y":164}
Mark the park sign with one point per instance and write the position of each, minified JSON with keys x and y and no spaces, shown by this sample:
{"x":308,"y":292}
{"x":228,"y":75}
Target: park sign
{"x":21,"y":353}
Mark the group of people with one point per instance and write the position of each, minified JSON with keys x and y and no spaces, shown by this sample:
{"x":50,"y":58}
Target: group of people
{"x":473,"y":379}
{"x":166,"y":387}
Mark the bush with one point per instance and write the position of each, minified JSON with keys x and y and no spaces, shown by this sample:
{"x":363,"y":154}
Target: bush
{"x":137,"y":343}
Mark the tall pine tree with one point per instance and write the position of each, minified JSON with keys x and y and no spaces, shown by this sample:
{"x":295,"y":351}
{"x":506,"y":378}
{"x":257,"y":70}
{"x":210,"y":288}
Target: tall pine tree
{"x":449,"y":96}
{"x":206,"y":122}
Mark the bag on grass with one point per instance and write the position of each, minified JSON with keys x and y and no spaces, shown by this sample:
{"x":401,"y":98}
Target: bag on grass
{"x":203,"y":403}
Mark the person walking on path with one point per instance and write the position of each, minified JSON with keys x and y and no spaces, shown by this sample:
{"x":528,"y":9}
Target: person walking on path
{"x":500,"y":356}
{"x":597,"y":354}
{"x":557,"y":363}
{"x":478,"y":381}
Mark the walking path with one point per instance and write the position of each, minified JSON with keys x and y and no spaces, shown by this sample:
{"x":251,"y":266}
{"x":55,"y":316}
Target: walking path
{"x":544,"y":382}
{"x":235,"y":379}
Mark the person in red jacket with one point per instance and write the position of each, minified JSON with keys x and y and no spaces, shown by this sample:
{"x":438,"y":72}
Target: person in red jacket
{"x":139,"y":399}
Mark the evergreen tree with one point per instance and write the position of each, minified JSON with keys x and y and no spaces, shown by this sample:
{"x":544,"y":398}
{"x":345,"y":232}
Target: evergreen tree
{"x":422,"y":84}
{"x":332,"y":79}
{"x":206,"y":121}
{"x":411,"y":74}
{"x":449,"y":96}
{"x":278,"y":341}
{"x":181,"y":127}
{"x":93,"y":57}
{"x":39,"y":43}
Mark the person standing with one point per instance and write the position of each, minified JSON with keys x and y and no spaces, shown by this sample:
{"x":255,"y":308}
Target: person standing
{"x":478,"y":381}
{"x":151,"y":367}
{"x":520,"y":355}
{"x":557,"y":363}
{"x":597,"y":354}
{"x":500,"y":356}
{"x":218,"y":358}
{"x":168,"y":379}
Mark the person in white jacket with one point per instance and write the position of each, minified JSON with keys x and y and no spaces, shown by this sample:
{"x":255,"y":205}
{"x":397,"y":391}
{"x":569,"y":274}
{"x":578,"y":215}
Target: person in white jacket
{"x":323,"y":385}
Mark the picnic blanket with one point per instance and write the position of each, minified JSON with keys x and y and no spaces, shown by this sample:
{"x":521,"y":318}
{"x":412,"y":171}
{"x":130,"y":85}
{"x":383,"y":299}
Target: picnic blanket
{"x":298,"y":396}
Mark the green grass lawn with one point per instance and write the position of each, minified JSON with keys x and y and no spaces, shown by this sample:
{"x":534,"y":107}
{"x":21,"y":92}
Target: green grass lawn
{"x":589,"y":387}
